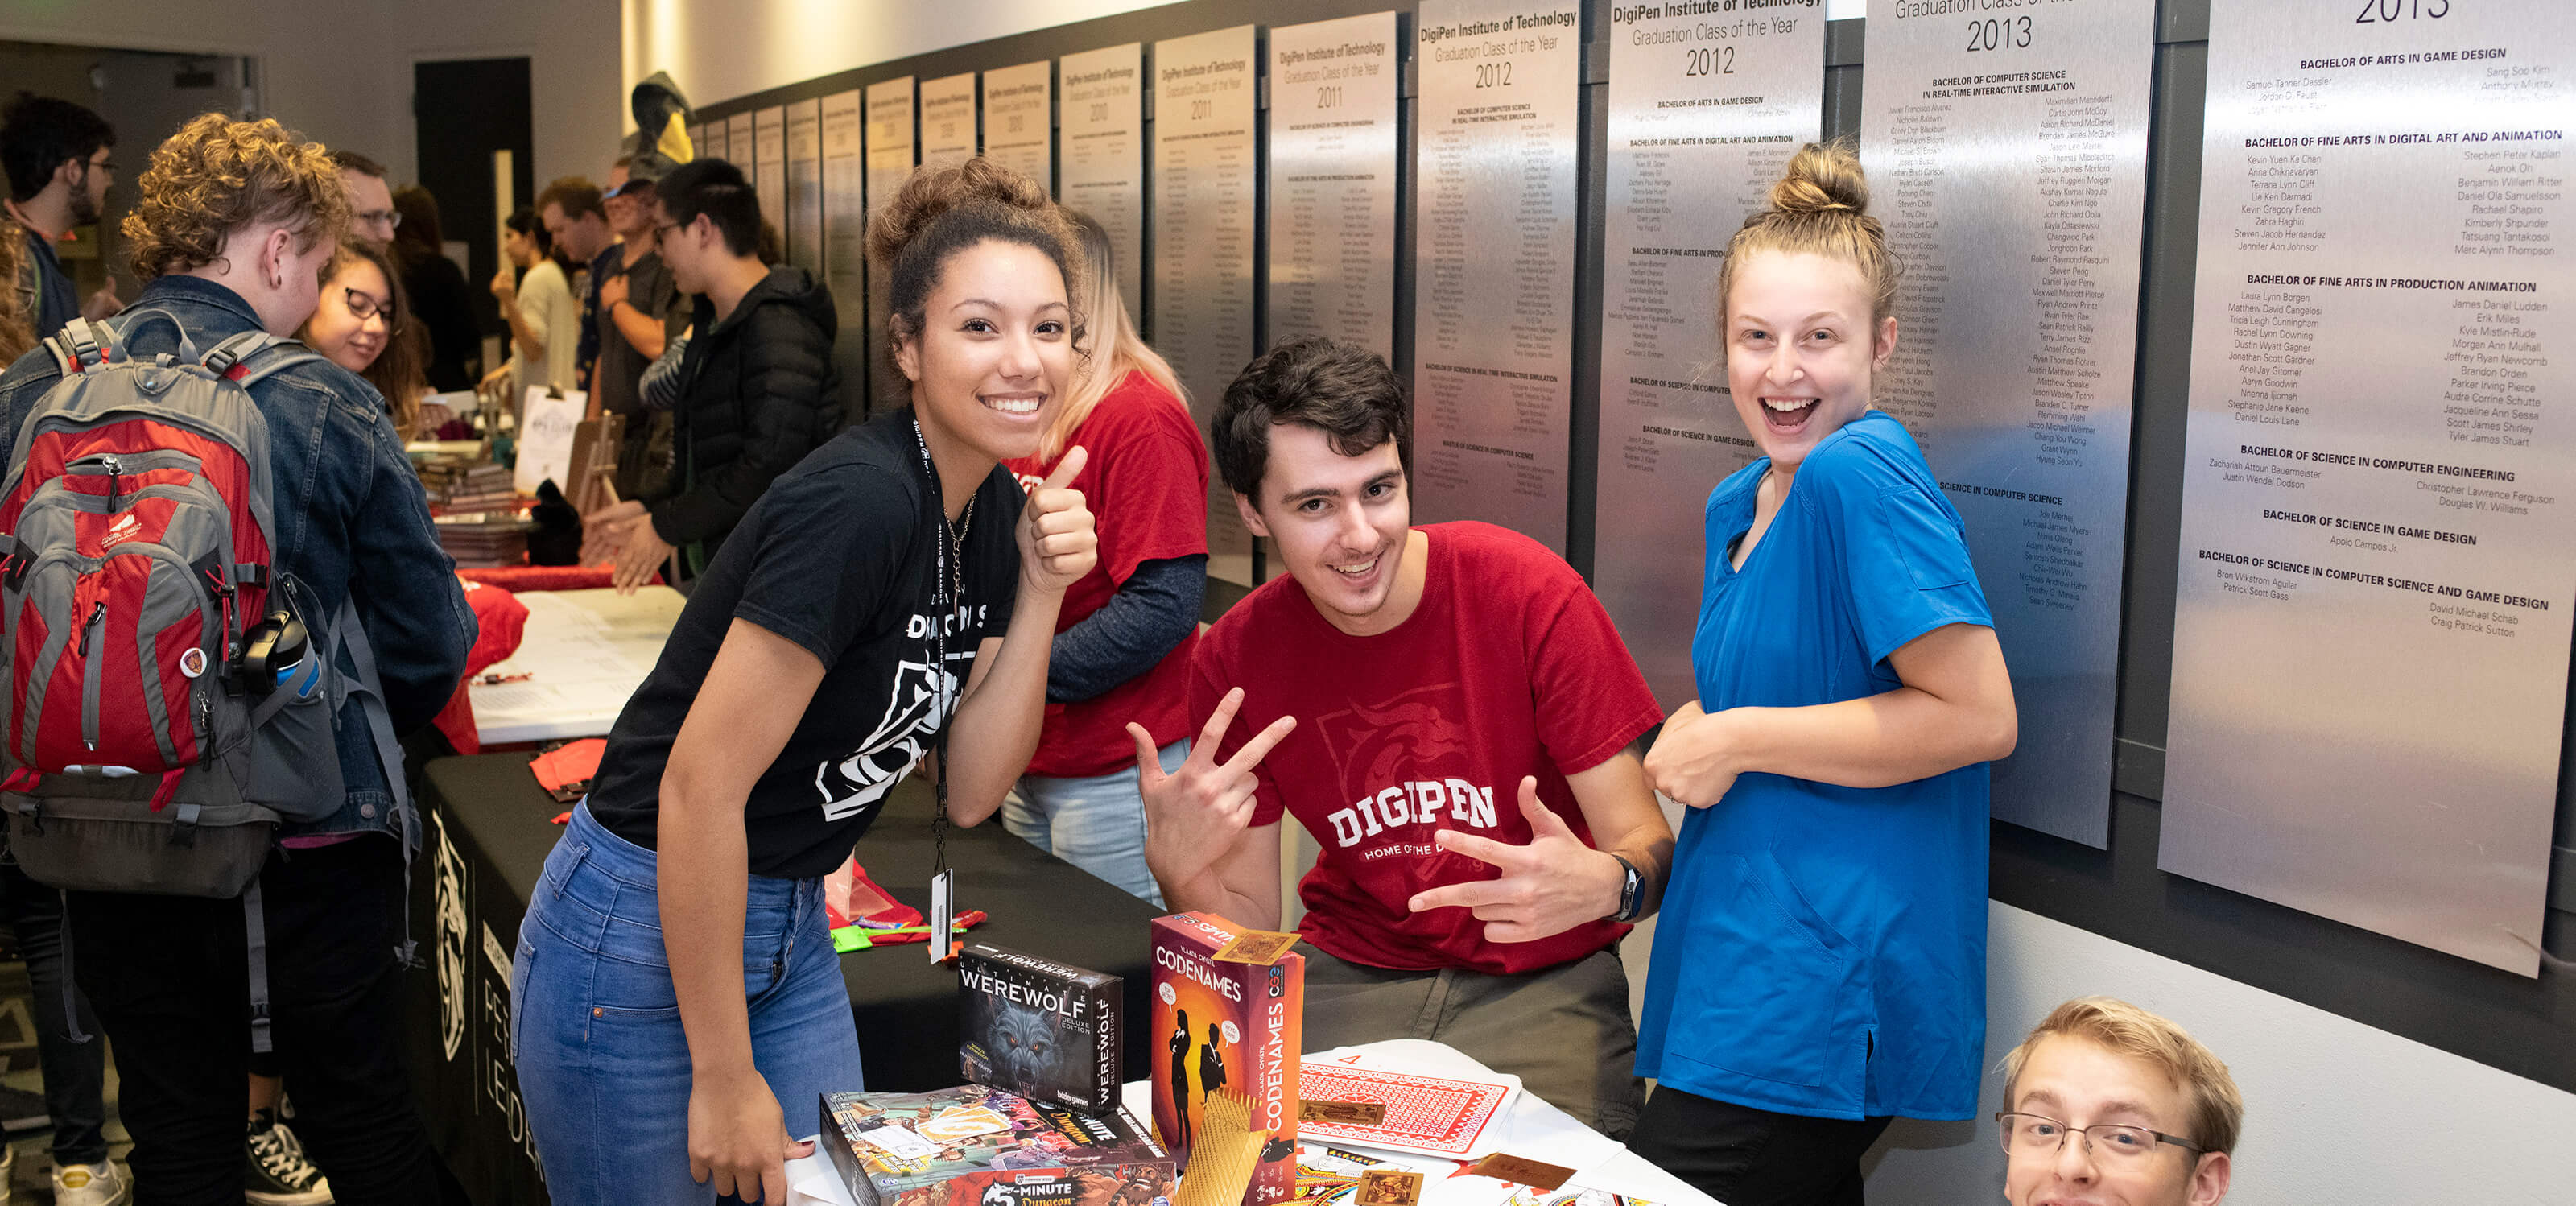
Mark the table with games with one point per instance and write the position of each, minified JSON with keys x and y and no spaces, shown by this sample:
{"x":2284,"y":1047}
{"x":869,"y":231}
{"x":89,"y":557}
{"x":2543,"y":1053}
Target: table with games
{"x":1604,"y":1172}
{"x":488,"y":828}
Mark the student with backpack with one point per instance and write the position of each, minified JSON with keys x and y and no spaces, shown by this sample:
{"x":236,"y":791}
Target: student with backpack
{"x":223,"y":599}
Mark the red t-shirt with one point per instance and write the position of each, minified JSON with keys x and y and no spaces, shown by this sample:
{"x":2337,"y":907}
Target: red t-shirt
{"x":1508,"y":668}
{"x":1147,"y":486}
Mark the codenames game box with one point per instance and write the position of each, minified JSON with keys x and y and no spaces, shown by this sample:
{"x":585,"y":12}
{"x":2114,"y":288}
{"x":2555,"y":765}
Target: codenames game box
{"x":980,"y":1146}
{"x":1047,"y":1031}
{"x":1228,"y":1020}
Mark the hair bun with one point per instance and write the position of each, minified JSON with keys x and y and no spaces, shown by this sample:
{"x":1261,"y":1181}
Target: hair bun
{"x":935,"y":191}
{"x":1822,"y":176}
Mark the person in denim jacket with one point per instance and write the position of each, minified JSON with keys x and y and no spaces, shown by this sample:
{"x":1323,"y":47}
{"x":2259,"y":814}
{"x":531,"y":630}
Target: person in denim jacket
{"x":233,"y":227}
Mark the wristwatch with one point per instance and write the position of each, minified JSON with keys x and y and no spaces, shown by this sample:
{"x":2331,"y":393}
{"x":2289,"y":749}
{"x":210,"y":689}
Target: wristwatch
{"x":1632,"y":893}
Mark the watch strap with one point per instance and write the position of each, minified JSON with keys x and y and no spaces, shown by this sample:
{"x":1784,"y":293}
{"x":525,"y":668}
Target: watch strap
{"x":1632,"y":892}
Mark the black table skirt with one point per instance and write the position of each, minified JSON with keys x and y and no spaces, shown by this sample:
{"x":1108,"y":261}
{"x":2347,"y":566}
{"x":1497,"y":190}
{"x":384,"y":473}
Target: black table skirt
{"x":488,"y":831}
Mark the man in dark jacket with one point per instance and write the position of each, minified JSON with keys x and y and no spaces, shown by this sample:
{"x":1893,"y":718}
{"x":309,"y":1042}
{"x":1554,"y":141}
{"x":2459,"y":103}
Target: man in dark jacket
{"x":234,"y":223}
{"x":757,"y":390}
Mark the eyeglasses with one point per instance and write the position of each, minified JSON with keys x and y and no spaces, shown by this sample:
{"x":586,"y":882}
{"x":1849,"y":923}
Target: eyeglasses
{"x":388,"y":218}
{"x":664,"y":228}
{"x":363,"y":307}
{"x":2040,"y":1135}
{"x":101,"y":165}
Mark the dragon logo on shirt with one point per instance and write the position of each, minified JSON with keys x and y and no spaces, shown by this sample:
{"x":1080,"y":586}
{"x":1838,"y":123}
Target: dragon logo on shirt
{"x":859,"y":782}
{"x":1378,"y":744}
{"x":1380,"y":750}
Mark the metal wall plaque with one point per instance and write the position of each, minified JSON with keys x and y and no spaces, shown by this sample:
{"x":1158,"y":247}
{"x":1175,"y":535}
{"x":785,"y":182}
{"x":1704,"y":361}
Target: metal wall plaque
{"x":769,"y":142}
{"x":1102,"y":166}
{"x":805,"y":186}
{"x":1334,"y":150}
{"x":845,"y":241}
{"x":890,"y":163}
{"x":2007,"y":153}
{"x":738,"y":145}
{"x":2371,"y":638}
{"x":1207,"y":191}
{"x":1019,"y":120}
{"x":948,"y":120}
{"x":1704,"y":111}
{"x":1493,"y":317}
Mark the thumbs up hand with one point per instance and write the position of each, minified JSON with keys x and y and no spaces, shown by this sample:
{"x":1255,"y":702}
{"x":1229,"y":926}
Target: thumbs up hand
{"x":1057,"y":542}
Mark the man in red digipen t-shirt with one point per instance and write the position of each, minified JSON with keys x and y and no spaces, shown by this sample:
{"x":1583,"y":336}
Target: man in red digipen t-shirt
{"x":1448,"y":710}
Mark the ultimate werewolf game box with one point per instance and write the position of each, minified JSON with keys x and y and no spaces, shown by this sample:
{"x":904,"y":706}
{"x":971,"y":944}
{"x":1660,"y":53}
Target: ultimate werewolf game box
{"x":1046,"y":1031}
{"x":1223,"y":1027}
{"x":980,"y":1146}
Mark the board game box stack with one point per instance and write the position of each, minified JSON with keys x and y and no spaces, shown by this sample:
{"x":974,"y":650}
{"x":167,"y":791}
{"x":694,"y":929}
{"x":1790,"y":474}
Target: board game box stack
{"x":484,"y":539}
{"x":1047,"y":1031}
{"x":1228,"y":1022}
{"x":981,"y":1146}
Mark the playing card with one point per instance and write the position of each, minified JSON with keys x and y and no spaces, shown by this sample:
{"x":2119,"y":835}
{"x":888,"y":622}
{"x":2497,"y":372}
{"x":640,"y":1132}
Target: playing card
{"x":1390,"y":1187}
{"x":1260,"y":947}
{"x":1429,"y":1115}
{"x":1521,"y":1170}
{"x":1354,"y":1113}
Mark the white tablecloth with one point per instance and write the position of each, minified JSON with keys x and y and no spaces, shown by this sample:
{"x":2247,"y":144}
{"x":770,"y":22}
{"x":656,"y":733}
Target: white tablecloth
{"x":1531,"y":1128}
{"x":584,"y":651}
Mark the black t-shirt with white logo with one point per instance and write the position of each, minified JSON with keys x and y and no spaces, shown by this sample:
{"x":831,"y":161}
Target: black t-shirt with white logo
{"x":838,"y":556}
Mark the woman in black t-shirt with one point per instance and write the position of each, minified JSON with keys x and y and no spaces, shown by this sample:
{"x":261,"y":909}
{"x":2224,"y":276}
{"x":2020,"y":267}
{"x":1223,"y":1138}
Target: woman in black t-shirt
{"x":815,"y":665}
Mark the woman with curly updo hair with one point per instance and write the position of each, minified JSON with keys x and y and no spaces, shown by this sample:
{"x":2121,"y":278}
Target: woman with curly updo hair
{"x":891,"y":599}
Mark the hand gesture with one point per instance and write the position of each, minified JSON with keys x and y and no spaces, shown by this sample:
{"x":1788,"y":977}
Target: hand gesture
{"x":1691,"y":762}
{"x":1193,"y":815}
{"x":101,"y":304}
{"x":1548,"y":887}
{"x":505,"y":287}
{"x":604,"y":531}
{"x":1057,"y":543}
{"x":643,"y":554}
{"x":738,"y":1137}
{"x":611,"y":292}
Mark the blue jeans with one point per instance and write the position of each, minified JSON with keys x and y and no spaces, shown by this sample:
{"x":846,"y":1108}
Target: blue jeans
{"x":595,"y":1022}
{"x":1097,"y":824}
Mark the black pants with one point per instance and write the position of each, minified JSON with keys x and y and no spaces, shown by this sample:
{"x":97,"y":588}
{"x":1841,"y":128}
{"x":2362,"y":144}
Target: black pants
{"x":168,"y":976}
{"x":75,"y":1073}
{"x":1747,"y":1157}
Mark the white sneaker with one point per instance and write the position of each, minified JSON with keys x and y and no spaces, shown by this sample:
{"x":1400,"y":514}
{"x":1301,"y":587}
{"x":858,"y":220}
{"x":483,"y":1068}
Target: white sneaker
{"x":101,"y":1184}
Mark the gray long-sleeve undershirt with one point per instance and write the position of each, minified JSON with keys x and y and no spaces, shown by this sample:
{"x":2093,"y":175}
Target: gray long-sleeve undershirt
{"x":1152,"y":612}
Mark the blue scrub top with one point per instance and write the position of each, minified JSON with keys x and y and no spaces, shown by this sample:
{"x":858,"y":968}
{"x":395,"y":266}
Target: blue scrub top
{"x":1822,"y":950}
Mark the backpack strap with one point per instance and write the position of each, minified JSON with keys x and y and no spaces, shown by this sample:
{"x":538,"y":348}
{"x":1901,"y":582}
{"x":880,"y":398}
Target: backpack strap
{"x":252,"y":356}
{"x":255,"y":945}
{"x":367,"y":691}
{"x":82,"y":346}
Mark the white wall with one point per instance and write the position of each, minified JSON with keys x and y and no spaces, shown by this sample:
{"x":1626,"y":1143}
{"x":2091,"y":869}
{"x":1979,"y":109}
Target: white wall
{"x":340,"y":72}
{"x":720,"y":51}
{"x":2335,"y":1111}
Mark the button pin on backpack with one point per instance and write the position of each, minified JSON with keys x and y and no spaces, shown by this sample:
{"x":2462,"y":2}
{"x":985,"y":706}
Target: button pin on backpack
{"x":192,"y":663}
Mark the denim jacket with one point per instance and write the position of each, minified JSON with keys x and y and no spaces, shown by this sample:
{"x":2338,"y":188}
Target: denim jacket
{"x":351,"y":519}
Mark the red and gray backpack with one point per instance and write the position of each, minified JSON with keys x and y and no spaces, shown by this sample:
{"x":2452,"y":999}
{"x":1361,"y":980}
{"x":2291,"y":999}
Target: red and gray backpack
{"x":171,"y":693}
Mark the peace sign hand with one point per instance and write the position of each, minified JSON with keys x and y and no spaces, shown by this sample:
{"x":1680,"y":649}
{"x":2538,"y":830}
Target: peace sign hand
{"x":1549,"y":886}
{"x":1193,"y":815}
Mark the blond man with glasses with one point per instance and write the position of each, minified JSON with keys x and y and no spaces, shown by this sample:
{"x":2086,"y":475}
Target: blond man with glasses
{"x":2111,"y":1105}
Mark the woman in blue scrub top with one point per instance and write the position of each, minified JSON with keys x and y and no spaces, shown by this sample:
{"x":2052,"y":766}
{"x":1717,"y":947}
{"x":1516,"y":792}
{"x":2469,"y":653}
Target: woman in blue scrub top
{"x":1820,"y":966}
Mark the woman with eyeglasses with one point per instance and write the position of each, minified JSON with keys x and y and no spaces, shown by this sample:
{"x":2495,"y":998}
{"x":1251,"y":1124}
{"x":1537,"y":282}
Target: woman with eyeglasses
{"x":360,"y":326}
